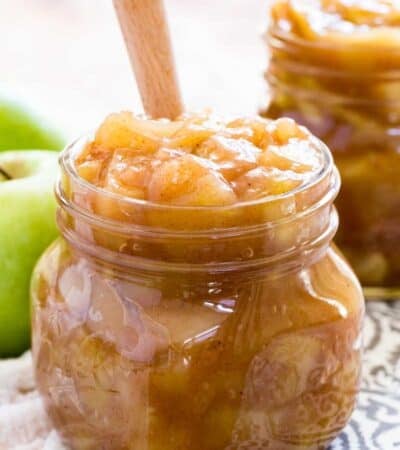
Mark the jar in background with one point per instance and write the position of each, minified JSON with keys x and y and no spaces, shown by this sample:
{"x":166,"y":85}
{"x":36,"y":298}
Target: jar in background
{"x":345,"y":87}
{"x":226,"y":330}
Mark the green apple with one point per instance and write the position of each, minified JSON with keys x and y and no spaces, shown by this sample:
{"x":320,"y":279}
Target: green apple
{"x":21,"y":128}
{"x":27,"y":227}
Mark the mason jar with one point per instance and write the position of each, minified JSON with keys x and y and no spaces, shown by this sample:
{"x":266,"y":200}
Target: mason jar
{"x":346,"y":89}
{"x":233,"y":330}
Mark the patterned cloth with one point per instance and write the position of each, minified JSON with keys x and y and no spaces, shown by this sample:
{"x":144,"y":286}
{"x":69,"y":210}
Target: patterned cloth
{"x":375,"y":424}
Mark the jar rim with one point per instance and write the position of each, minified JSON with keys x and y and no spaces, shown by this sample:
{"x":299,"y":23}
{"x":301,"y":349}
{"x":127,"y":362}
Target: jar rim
{"x":76,"y":218}
{"x":278,"y":39}
{"x":287,"y":259}
{"x":321,"y":44}
{"x":67,"y":156}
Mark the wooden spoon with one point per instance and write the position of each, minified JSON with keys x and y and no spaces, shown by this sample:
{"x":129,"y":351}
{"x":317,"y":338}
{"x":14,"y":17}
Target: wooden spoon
{"x":146,"y":33}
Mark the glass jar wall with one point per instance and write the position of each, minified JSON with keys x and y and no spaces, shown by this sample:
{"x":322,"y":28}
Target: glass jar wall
{"x":335,"y":68}
{"x":177,"y":328}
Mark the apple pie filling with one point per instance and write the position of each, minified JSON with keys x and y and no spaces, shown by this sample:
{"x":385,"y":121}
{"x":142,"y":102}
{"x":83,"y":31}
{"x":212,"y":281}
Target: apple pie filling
{"x":195,"y":301}
{"x":199,"y":160}
{"x":335,"y":68}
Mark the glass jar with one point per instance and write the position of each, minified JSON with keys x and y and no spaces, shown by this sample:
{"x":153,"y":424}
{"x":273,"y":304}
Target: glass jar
{"x":228,"y":331}
{"x":349,"y":96}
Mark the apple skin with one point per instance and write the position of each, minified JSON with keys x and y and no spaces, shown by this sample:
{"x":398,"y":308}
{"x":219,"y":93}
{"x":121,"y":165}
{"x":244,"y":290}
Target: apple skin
{"x":21,"y":128}
{"x":27,"y":227}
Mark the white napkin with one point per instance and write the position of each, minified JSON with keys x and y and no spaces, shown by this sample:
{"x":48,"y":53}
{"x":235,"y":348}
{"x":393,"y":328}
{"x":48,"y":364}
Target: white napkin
{"x":23,"y":422}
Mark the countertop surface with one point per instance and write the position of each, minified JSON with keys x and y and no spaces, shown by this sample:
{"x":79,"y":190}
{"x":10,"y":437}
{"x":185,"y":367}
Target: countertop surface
{"x":67,"y":59}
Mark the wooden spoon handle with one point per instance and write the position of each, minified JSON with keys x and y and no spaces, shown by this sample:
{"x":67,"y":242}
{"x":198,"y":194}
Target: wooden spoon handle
{"x":146,"y":33}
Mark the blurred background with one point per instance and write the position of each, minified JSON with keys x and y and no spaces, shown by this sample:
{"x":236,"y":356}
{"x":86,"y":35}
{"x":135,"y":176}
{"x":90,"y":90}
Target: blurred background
{"x":67,"y":58}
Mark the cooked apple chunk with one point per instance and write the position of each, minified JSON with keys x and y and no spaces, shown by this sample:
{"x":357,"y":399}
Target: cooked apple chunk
{"x":199,"y":160}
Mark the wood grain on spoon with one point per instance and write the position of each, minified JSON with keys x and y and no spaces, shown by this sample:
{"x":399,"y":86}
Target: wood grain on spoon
{"x":146,"y":34}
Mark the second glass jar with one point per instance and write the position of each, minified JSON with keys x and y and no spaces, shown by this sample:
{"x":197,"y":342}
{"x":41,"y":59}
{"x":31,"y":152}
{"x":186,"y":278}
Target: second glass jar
{"x":350,"y":98}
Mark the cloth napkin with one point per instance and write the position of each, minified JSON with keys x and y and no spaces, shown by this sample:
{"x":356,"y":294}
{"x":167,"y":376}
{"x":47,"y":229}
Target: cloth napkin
{"x":375,"y":425}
